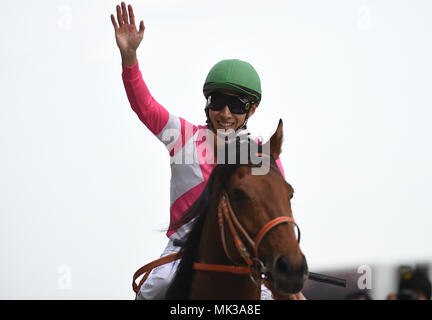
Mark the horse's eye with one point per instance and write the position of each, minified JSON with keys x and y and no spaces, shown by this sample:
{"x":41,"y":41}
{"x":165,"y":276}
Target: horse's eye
{"x":239,"y":195}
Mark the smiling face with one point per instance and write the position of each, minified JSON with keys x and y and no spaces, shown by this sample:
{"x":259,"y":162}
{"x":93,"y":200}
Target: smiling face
{"x":224,"y":119}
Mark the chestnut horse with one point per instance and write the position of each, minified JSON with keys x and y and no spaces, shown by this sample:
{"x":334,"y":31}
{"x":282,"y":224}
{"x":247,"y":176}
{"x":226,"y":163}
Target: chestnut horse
{"x":243,"y":235}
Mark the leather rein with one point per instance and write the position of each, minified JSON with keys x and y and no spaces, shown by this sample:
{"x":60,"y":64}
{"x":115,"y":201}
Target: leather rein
{"x":254,"y":266}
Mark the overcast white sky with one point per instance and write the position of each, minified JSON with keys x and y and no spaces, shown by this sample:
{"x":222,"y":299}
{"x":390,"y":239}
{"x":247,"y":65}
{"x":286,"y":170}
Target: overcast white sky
{"x":85,"y":186}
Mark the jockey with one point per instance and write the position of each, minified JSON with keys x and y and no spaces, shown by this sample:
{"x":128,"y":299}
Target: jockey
{"x":233,"y":92}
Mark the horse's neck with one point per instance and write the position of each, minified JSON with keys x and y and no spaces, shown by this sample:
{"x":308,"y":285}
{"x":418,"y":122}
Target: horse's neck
{"x":211,"y":249}
{"x":218,"y":285}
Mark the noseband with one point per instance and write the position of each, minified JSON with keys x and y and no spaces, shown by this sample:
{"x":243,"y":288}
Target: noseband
{"x":254,"y":266}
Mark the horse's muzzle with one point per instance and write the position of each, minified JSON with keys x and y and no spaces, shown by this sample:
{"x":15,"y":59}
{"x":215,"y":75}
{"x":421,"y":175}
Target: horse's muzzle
{"x":288,"y":276}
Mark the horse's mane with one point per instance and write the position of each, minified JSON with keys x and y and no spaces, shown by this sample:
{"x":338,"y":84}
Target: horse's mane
{"x":180,"y":286}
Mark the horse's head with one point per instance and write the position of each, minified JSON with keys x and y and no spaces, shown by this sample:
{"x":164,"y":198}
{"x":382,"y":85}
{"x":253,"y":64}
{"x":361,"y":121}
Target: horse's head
{"x":243,"y":225}
{"x":256,"y":200}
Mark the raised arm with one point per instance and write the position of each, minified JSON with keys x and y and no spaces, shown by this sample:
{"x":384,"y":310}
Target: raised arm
{"x":156,"y":118}
{"x":128,"y":38}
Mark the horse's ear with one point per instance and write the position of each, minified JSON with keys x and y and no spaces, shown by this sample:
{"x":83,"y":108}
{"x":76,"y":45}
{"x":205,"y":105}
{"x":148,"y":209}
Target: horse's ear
{"x":276,"y":142}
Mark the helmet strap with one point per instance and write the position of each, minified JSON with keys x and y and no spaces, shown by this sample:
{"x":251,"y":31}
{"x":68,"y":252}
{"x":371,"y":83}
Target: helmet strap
{"x":243,"y":126}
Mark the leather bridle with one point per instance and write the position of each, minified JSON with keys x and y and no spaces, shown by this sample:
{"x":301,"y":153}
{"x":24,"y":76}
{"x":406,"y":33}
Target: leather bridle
{"x":254,"y":266}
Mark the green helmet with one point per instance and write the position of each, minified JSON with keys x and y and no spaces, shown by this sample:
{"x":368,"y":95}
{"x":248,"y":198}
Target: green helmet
{"x":234,"y":75}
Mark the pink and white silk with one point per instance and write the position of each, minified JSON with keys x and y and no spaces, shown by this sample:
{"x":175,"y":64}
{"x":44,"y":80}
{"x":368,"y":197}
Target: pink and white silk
{"x":181,"y":139}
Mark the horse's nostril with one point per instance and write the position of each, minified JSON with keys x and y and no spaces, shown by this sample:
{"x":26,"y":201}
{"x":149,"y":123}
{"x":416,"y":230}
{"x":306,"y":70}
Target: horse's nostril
{"x":289,"y":274}
{"x":283,"y":265}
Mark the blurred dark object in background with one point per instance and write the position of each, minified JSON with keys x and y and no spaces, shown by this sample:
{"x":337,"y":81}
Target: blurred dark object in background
{"x":414,"y":283}
{"x":358,"y":295}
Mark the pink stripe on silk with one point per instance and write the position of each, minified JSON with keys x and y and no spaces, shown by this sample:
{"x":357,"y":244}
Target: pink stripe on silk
{"x":187,"y":132}
{"x":183,"y":203}
{"x":204,"y":153}
{"x":279,"y":164}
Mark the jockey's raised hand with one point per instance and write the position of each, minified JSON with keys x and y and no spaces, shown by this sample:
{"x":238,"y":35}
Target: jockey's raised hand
{"x":128,"y":38}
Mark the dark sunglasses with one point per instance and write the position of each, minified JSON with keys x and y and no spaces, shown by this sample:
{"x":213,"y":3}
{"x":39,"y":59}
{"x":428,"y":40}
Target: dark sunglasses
{"x":216,"y":101}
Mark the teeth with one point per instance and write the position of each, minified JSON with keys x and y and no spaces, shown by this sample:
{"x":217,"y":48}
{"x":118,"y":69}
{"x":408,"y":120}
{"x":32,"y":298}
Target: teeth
{"x":226,"y":124}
